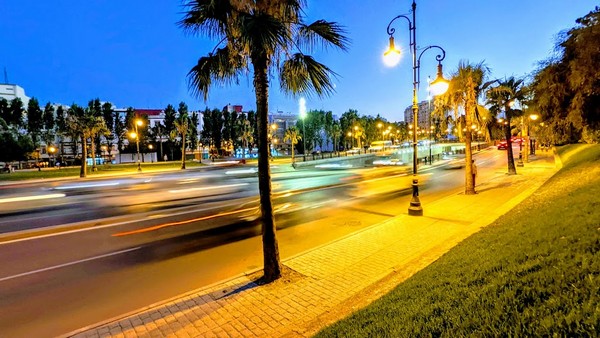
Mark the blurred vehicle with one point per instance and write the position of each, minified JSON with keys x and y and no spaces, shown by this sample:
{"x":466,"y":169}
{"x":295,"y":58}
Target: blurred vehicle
{"x":380,"y":145}
{"x":389,"y":161}
{"x":502,"y":145}
{"x":456,"y":163}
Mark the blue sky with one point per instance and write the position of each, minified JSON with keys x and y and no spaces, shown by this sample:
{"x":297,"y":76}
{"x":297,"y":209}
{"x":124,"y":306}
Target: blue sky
{"x":131,"y":52}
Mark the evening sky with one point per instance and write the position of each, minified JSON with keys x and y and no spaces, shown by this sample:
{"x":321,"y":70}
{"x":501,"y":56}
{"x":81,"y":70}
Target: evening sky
{"x":132,"y":53}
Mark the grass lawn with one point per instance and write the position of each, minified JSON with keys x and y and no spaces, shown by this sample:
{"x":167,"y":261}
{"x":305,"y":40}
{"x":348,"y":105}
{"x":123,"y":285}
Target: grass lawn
{"x":534,"y":272}
{"x":104,"y":169}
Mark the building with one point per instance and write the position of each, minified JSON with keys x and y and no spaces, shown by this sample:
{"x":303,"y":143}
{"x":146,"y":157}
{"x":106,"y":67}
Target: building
{"x":12,"y":91}
{"x":423,"y":119}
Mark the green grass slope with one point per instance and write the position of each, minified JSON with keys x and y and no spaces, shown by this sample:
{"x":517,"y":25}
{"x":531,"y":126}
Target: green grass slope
{"x":534,"y":272}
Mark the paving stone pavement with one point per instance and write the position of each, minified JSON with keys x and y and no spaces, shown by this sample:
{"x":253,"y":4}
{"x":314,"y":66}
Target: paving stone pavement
{"x":318,"y":281}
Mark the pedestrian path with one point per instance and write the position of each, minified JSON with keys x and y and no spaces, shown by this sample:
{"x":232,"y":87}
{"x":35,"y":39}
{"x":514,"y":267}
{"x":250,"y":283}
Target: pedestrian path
{"x":324,"y":284}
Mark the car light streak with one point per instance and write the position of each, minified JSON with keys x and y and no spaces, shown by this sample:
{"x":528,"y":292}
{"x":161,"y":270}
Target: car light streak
{"x":30,"y":198}
{"x":67,"y":264}
{"x":161,"y":226}
{"x":93,"y":185}
{"x":206,"y":188}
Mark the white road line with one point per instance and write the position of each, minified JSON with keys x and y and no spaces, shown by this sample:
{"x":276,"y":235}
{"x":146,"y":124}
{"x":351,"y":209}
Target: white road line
{"x":67,"y":264}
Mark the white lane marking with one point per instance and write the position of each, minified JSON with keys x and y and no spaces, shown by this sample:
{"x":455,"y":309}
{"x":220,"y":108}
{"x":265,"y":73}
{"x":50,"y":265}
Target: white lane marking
{"x":67,"y":264}
{"x":30,"y":198}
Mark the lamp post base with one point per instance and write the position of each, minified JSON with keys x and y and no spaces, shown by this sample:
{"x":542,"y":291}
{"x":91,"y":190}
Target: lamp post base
{"x":139,"y":166}
{"x":415,"y":208}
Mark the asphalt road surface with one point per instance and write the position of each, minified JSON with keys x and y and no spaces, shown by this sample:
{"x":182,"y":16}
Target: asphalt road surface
{"x":119,"y":244}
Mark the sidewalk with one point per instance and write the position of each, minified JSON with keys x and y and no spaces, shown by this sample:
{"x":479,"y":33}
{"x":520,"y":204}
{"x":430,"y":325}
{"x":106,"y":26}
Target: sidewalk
{"x":325,"y":284}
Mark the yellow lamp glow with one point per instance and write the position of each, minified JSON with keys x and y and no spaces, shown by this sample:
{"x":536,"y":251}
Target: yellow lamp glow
{"x":392,"y":56}
{"x":440,"y":85}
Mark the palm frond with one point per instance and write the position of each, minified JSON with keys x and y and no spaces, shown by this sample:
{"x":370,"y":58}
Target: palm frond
{"x":324,"y":33}
{"x":223,"y":67}
{"x":207,"y":17}
{"x":303,"y":74}
{"x":262,"y":34}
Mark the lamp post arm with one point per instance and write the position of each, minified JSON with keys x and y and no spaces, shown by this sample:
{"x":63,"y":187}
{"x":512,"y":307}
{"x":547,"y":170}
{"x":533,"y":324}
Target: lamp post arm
{"x":391,"y":30}
{"x":439,"y":58}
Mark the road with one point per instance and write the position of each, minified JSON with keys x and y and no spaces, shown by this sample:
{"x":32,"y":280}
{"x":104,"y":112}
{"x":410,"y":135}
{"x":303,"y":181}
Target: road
{"x":132,"y":244}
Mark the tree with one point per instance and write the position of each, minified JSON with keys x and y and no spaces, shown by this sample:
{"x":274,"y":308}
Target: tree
{"x":566,"y":86}
{"x":182,"y":125}
{"x":247,"y":136}
{"x":108,"y":114}
{"x":96,"y":126}
{"x":292,"y":135}
{"x":169,"y":123}
{"x":502,"y":98}
{"x":262,"y":34}
{"x":119,"y":130}
{"x":335,"y":133}
{"x":4,"y":110}
{"x":466,"y":86}
{"x":15,"y":145}
{"x":194,"y":120}
{"x":49,"y":124}
{"x":16,"y":113}
{"x":35,"y":122}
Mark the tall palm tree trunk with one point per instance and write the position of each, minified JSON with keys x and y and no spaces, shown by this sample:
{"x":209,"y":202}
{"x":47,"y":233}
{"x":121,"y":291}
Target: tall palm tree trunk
{"x":469,"y":182}
{"x":183,"y":151}
{"x":512,"y":170}
{"x":272,"y":263}
{"x":83,"y":169}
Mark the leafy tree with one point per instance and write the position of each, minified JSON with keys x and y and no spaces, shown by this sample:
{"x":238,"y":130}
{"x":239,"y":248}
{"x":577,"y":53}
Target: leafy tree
{"x":247,"y":136}
{"x":566,"y":86}
{"x":16,"y":113}
{"x":4,"y":110}
{"x":35,"y":122}
{"x":60,"y":120}
{"x":260,"y":34}
{"x":502,"y":98}
{"x":108,"y":114}
{"x":119,"y":130}
{"x":347,"y":121}
{"x":335,"y":133}
{"x":293,"y":136}
{"x":49,"y":124}
{"x":15,"y":145}
{"x":194,"y":120}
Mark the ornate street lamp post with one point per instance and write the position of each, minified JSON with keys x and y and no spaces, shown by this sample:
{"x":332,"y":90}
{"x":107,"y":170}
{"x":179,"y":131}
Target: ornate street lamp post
{"x":437,"y":86}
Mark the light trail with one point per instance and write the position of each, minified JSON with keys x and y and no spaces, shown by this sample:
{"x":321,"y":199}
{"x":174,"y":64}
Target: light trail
{"x":30,"y":198}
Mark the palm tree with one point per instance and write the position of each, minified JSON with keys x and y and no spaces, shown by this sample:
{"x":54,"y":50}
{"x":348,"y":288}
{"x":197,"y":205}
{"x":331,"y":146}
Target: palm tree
{"x":84,"y":125}
{"x":502,"y":98}
{"x":336,"y":132}
{"x":293,"y":136}
{"x":182,"y":124}
{"x":264,"y":35}
{"x":247,"y":136}
{"x":466,"y":86}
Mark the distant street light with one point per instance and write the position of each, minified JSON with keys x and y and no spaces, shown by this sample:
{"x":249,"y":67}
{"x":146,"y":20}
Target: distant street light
{"x":437,"y":87}
{"x":52,"y":150}
{"x":136,"y":135}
